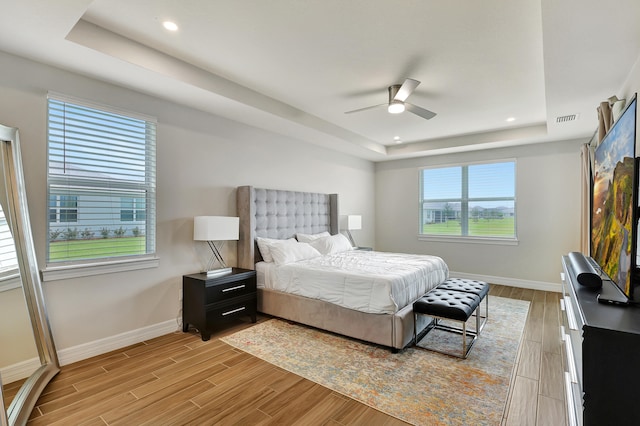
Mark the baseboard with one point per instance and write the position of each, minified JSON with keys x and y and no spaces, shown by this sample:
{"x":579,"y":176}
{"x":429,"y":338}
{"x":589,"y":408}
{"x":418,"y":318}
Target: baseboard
{"x":19,"y":370}
{"x":513,"y":282}
{"x":73,"y":354}
{"x":99,"y":347}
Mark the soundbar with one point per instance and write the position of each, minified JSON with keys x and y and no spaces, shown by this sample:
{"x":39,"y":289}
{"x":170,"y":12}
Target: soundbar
{"x":586,"y":274}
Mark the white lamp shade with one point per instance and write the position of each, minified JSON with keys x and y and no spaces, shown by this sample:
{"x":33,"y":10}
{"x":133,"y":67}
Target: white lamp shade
{"x":216,"y":228}
{"x":354,"y":222}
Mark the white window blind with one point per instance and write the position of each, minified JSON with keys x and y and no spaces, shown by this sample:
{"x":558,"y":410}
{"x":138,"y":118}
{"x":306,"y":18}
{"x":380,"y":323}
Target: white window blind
{"x":472,"y":200}
{"x":98,"y":157}
{"x":8,"y":259}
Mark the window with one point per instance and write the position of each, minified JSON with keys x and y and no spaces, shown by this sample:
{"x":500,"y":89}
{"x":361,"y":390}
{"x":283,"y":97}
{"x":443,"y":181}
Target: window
{"x":63,"y":208}
{"x":8,"y":258}
{"x":473,"y":200}
{"x":101,"y":183}
{"x":132,"y":209}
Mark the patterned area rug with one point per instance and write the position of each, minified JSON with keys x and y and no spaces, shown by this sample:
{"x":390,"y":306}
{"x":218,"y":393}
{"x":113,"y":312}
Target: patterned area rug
{"x":418,"y":386}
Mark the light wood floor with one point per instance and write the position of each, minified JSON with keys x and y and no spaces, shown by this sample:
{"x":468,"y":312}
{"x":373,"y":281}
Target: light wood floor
{"x":536,"y":396}
{"x":178,"y":379}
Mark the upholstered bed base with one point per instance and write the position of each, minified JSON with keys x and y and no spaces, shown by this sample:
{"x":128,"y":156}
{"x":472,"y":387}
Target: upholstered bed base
{"x":394,"y":331}
{"x":282,"y":214}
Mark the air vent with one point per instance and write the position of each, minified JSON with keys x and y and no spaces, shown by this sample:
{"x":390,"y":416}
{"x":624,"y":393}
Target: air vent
{"x":565,"y":118}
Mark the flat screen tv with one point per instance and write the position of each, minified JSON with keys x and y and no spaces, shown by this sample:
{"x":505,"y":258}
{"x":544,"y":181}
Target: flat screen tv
{"x":614,"y":203}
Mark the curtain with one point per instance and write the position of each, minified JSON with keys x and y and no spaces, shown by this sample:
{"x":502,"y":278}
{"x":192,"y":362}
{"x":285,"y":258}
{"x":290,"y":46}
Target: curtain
{"x":608,"y":113}
{"x":605,"y":119}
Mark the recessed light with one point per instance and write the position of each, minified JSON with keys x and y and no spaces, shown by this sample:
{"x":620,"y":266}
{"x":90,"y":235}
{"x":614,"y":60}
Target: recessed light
{"x":169,"y":25}
{"x":397,"y":139}
{"x":510,"y":119}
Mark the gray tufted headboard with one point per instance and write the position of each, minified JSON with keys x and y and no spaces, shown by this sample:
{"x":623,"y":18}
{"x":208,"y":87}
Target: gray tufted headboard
{"x":280,"y":214}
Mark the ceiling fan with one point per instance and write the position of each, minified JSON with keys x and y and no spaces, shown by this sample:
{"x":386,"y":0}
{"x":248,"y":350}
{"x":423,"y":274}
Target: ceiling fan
{"x":398,"y":95}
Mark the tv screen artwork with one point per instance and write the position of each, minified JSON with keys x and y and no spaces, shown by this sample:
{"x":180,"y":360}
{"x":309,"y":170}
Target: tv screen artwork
{"x":612,"y":216}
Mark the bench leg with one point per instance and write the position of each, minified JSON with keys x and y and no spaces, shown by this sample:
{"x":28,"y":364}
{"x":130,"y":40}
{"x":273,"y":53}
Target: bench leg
{"x":464,"y":339}
{"x":466,"y":346}
{"x":481,"y":320}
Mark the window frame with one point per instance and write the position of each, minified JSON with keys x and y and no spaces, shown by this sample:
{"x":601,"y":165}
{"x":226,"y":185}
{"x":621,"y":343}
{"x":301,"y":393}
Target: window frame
{"x":87,"y":267}
{"x":466,"y":215}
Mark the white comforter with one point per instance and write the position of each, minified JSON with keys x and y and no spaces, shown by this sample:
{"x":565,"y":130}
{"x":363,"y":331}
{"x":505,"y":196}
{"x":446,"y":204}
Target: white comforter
{"x":373,"y":282}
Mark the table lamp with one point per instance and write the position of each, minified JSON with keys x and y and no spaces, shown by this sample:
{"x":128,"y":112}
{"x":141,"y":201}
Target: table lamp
{"x":216,"y":229}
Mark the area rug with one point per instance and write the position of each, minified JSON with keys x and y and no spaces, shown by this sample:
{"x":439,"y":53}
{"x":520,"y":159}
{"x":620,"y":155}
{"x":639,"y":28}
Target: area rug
{"x":418,"y":386}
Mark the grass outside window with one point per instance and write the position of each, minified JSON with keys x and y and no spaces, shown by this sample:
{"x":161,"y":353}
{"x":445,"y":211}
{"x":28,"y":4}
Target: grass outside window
{"x":96,"y":248}
{"x":477,"y":228}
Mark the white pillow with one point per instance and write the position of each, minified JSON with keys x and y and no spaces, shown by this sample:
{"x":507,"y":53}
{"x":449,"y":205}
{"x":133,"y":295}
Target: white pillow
{"x":331,"y":244}
{"x":307,"y":238}
{"x":264,"y":245}
{"x":287,"y":252}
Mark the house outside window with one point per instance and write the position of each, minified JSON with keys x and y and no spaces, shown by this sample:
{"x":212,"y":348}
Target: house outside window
{"x":101,"y":183}
{"x":132,"y":209}
{"x":63,"y":208}
{"x":469,"y":200}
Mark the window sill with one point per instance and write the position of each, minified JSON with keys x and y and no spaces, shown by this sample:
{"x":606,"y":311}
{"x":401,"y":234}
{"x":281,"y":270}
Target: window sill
{"x":9,"y":283}
{"x":468,"y":240}
{"x":55,"y":273}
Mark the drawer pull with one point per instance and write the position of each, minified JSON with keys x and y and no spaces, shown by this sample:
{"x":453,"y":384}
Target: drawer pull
{"x":233,"y":311}
{"x":571,"y":408}
{"x":571,"y":318}
{"x":238,"y":287}
{"x":573,"y":375}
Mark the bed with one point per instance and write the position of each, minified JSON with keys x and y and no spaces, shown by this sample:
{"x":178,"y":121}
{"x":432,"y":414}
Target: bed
{"x":281,"y":215}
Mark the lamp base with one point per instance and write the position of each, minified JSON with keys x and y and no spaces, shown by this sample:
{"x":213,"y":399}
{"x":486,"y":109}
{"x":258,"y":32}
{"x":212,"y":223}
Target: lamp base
{"x":218,"y":272}
{"x":351,"y":240}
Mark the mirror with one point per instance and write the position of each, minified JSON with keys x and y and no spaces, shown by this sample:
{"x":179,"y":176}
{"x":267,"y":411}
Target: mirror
{"x":13,"y":201}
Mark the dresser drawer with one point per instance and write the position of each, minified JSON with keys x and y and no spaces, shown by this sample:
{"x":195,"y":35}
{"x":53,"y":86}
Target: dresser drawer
{"x":229,"y":290}
{"x":240,"y":306}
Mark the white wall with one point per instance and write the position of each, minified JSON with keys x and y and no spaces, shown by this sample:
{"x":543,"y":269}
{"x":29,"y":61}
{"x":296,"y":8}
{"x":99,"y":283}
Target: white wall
{"x":14,"y":326}
{"x":628,"y":90}
{"x":547,"y":214}
{"x":201,"y":158}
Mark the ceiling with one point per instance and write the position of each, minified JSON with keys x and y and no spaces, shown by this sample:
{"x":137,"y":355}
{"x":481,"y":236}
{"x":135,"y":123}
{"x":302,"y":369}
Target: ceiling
{"x":294,"y":67}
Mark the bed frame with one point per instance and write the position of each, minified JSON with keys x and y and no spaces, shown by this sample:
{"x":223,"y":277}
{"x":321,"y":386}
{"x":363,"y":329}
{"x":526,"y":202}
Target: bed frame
{"x":280,"y":214}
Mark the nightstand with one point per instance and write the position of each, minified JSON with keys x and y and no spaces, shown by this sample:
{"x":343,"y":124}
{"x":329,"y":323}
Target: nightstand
{"x":208,"y":301}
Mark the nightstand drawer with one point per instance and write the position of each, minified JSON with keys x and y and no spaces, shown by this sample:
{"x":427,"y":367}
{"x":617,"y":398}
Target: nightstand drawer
{"x":220,"y":292}
{"x":245,"y":305}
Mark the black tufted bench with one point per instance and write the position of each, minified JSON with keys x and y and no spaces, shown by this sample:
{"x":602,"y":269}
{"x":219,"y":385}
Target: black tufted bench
{"x":479,"y":288}
{"x":448,"y":305}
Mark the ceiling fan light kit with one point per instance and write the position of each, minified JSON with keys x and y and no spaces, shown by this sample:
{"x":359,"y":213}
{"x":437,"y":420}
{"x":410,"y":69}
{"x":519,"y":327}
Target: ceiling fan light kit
{"x":395,"y":107}
{"x":398,"y":94}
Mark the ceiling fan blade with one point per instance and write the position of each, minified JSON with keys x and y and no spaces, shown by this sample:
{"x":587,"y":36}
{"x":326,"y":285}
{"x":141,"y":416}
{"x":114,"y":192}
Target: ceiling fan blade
{"x":424,"y":113}
{"x":365,"y":108}
{"x":406,"y":89}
